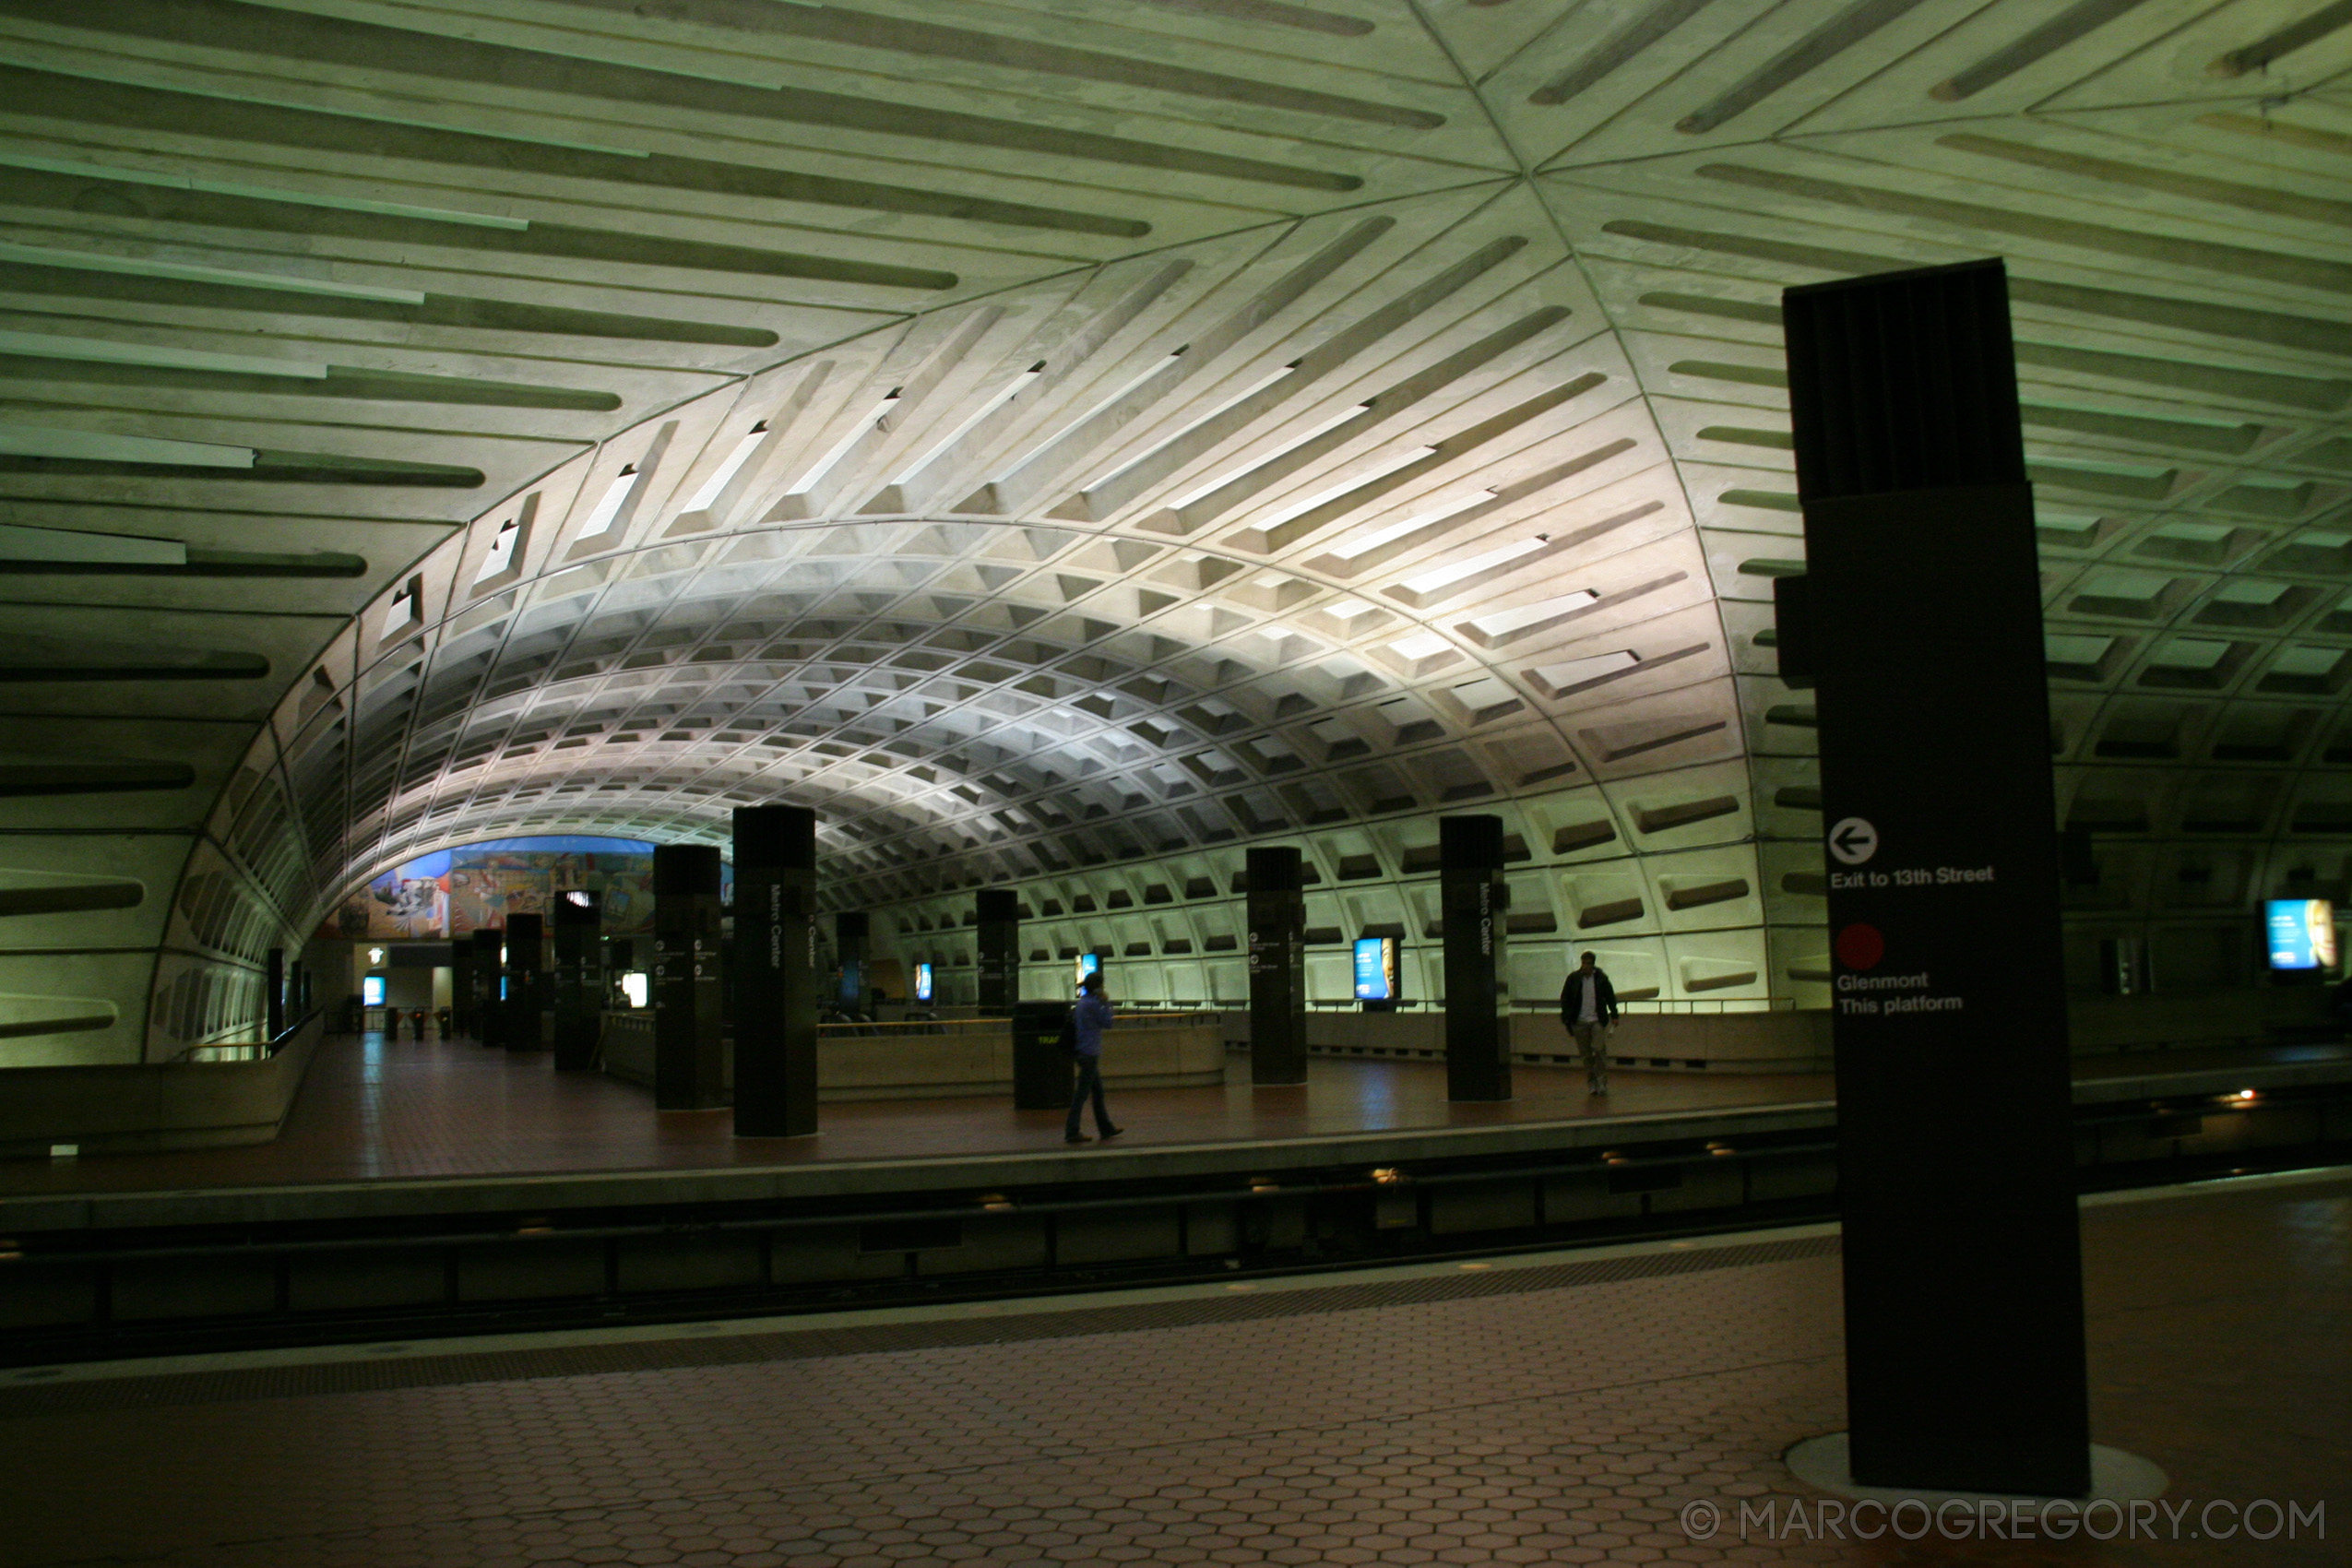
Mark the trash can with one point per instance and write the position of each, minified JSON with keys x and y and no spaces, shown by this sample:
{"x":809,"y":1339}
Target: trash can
{"x":1043,"y":1075}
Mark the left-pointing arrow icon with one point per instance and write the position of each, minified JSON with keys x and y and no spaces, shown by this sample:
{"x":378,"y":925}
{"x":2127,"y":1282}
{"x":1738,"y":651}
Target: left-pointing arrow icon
{"x":1853,"y":841}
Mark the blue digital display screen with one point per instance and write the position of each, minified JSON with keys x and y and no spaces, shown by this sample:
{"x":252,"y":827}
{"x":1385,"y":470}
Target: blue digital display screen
{"x":372,"y":992}
{"x":2301,"y":932}
{"x":923,"y":982}
{"x":1375,"y":969}
{"x":1088,"y":964}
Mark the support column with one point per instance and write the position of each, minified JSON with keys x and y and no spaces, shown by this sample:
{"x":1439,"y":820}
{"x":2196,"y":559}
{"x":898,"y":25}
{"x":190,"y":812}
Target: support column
{"x":686,"y":1061}
{"x":579,"y":978}
{"x":273,"y":1000}
{"x":1278,"y":915}
{"x":461,"y":989}
{"x":526,"y":982}
{"x":490,"y":972}
{"x":999,"y":933}
{"x":774,"y":971}
{"x":1478,"y":1018}
{"x":1920,"y":609}
{"x":849,"y":929}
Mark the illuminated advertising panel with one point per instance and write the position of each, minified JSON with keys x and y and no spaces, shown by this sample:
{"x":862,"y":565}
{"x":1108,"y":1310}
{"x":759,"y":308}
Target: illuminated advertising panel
{"x":1088,"y":964}
{"x":1375,"y":969}
{"x":372,"y":990}
{"x":2302,"y":933}
{"x":923,"y":982}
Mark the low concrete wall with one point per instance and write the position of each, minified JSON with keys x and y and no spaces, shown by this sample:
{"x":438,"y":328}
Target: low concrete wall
{"x":625,"y":1048}
{"x":1787,"y":1041}
{"x":964,"y":1057}
{"x":1783,"y":1042}
{"x":968,"y":1058}
{"x":2262,"y":1016}
{"x":153,"y":1106}
{"x":1144,"y":1054}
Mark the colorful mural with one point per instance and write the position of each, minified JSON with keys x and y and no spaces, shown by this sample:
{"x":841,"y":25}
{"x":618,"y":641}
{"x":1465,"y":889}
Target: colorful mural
{"x":456,"y":892}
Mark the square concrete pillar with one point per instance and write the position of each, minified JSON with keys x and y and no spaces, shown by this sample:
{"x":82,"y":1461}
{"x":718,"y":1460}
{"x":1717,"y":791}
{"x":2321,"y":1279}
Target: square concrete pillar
{"x":687,"y":1067}
{"x":774,"y":971}
{"x":1473,"y":896}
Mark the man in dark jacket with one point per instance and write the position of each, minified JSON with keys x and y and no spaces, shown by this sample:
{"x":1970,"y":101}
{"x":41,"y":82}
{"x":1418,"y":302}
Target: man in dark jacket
{"x":1088,"y":1020}
{"x":1588,"y":1007}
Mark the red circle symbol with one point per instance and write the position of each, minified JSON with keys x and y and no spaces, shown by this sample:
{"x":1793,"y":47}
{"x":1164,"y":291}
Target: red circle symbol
{"x":1860,"y":947}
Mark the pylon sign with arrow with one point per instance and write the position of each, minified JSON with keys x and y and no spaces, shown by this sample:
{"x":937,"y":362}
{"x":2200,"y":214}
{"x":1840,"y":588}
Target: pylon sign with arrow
{"x":1853,"y":841}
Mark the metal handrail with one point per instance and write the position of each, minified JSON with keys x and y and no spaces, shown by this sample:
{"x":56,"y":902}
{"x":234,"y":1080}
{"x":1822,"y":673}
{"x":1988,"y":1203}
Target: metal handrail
{"x":262,"y":1049}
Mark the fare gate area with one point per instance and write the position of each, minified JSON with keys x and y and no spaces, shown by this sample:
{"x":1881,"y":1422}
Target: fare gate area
{"x":100,"y":1292}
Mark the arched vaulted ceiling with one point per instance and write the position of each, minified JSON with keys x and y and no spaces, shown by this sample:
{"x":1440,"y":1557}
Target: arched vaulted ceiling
{"x":1045,"y":435}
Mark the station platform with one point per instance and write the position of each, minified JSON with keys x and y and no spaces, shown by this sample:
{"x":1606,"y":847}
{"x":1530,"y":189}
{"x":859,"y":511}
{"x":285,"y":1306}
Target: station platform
{"x":384,"y":1128}
{"x":420,"y":1191}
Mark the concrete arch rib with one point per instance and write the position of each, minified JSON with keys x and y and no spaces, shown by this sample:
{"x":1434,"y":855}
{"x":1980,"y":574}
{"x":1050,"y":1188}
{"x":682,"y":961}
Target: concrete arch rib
{"x":1352,"y":523}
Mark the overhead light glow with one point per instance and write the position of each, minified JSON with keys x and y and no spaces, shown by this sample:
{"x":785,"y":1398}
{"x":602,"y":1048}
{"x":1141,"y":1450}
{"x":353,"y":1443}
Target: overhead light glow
{"x":607,"y":506}
{"x":501,"y":554}
{"x":1503,"y":622}
{"x":1429,"y":582}
{"x":727,"y":470}
{"x":1251,"y":390}
{"x":1111,"y":397}
{"x":1020,"y":383}
{"x":1577,"y":671}
{"x":1365,"y":543}
{"x":1329,"y":422}
{"x":858,"y":429}
{"x":1332,"y":493}
{"x":401,"y":611}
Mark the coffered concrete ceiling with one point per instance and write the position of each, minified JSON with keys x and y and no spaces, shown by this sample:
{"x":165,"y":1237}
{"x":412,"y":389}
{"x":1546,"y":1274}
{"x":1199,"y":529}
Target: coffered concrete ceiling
{"x":1049,"y":437}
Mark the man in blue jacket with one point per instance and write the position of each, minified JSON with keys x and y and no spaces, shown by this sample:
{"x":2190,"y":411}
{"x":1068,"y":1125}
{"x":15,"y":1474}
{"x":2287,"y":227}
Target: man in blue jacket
{"x":1088,"y":1020}
{"x":1588,"y":1007}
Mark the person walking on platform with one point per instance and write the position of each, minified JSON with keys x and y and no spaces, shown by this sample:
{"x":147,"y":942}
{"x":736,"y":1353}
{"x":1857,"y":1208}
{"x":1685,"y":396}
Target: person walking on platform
{"x":1588,"y":1007}
{"x":1088,"y":1020}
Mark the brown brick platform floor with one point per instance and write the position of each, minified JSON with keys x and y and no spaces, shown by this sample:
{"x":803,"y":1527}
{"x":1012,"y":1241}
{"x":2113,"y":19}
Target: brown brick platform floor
{"x":1562,"y":1410}
{"x":373,"y":1110}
